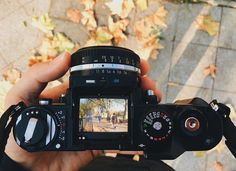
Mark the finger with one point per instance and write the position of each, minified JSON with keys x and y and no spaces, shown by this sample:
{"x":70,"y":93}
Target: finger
{"x":36,"y":78}
{"x":55,"y":92}
{"x":124,"y":152}
{"x":148,"y":84}
{"x":144,"y":66}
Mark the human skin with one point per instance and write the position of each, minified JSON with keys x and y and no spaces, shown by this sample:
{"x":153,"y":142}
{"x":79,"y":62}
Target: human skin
{"x":29,"y":89}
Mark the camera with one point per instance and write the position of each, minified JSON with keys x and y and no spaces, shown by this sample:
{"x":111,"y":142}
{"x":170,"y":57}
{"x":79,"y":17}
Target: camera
{"x":106,"y":108}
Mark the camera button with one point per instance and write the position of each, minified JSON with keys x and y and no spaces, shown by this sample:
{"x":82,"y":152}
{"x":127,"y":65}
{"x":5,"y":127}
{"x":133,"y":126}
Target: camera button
{"x":45,"y":102}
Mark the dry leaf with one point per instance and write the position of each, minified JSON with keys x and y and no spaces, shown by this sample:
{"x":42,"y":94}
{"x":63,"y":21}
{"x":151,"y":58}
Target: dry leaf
{"x":73,"y":15}
{"x":121,"y":7}
{"x":88,"y":19}
{"x":141,"y":4}
{"x":210,"y":70}
{"x":12,"y":75}
{"x":89,"y":4}
{"x":103,"y":35}
{"x":5,"y":86}
{"x":206,"y":23}
{"x":117,"y":29}
{"x":52,"y":46}
{"x":39,"y":59}
{"x":144,"y":27}
{"x":43,"y":23}
{"x":199,"y":153}
{"x":218,"y":166}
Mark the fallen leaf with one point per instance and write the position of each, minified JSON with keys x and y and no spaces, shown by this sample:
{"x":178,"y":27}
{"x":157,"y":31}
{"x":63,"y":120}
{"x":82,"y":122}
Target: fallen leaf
{"x":5,"y":86}
{"x":144,"y":27}
{"x":73,"y":15}
{"x":210,"y":70}
{"x":117,"y":29}
{"x":103,"y":35}
{"x":39,"y":59}
{"x":218,"y":166}
{"x":63,"y":43}
{"x":12,"y":75}
{"x":141,"y":4}
{"x":206,"y":23}
{"x":53,"y":45}
{"x":121,"y":7}
{"x":44,"y":23}
{"x":88,"y":19}
{"x":89,"y":4}
{"x":199,"y":153}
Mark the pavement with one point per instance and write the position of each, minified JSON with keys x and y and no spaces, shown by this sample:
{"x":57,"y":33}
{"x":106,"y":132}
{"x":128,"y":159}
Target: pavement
{"x":177,"y":71}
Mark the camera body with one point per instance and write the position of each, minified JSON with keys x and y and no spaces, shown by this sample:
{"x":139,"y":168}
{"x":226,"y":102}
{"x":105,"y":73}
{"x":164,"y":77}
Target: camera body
{"x":106,"y":108}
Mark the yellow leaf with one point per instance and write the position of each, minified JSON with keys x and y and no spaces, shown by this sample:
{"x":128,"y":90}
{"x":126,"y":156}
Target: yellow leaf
{"x":52,"y":46}
{"x":38,"y":59}
{"x":117,"y":28}
{"x":143,"y":27}
{"x":199,"y":153}
{"x":121,"y":7}
{"x":207,"y":24}
{"x":89,"y":4}
{"x":73,"y":15}
{"x":142,"y":4}
{"x":88,"y":19}
{"x":12,"y":75}
{"x":44,"y":23}
{"x":103,"y":35}
{"x":5,"y":86}
{"x":210,"y":70}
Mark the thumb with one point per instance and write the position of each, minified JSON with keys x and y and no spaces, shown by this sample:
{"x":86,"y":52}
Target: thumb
{"x":36,"y":78}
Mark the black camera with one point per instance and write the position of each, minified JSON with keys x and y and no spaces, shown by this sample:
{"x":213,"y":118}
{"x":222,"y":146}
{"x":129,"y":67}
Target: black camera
{"x":105,"y":108}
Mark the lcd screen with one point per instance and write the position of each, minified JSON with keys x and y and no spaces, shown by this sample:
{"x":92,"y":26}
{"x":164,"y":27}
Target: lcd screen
{"x":103,"y":115}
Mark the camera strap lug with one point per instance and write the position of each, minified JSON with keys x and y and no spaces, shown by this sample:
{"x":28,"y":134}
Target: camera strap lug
{"x":229,"y":129}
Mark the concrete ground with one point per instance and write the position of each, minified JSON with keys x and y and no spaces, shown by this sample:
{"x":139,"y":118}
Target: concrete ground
{"x":177,"y":70}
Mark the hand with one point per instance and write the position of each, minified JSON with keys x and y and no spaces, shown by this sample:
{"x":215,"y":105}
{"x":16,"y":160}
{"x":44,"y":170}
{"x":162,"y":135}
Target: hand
{"x":28,"y":90}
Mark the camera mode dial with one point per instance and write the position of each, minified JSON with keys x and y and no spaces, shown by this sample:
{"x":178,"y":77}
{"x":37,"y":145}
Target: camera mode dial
{"x":157,"y":126}
{"x":35,"y":128}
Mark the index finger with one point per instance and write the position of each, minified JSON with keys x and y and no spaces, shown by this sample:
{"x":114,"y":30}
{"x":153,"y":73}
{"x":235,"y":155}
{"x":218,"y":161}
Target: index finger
{"x":36,"y":78}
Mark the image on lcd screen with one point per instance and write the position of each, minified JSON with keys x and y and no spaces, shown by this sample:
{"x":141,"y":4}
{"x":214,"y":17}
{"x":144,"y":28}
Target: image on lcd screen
{"x":103,"y":115}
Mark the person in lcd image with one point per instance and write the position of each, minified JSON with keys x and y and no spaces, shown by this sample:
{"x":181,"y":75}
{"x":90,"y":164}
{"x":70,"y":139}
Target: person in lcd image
{"x":114,"y":120}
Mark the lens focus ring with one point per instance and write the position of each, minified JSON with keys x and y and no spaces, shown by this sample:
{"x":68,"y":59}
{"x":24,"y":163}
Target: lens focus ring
{"x":104,"y":57}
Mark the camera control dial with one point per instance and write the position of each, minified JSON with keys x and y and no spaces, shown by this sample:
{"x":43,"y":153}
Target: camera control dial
{"x":157,"y":126}
{"x":35,"y":127}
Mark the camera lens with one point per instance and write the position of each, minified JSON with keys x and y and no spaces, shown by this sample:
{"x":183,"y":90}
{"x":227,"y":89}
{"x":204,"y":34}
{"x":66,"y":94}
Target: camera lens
{"x":99,"y":68}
